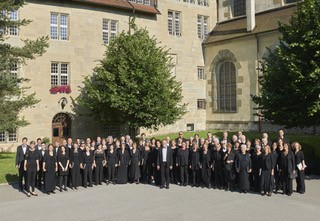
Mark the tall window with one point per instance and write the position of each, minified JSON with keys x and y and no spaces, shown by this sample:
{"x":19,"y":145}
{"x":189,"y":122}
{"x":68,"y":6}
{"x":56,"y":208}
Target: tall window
{"x":227,"y":87}
{"x":174,"y":23}
{"x":59,"y":26}
{"x":14,"y":71}
{"x":59,"y":73}
{"x":239,"y":7}
{"x":2,"y":136}
{"x":109,"y":30}
{"x":12,"y":16}
{"x":201,"y":75}
{"x":202,"y":26}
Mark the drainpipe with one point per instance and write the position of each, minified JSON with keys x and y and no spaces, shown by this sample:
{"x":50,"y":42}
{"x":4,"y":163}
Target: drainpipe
{"x":258,"y":68}
{"x":133,"y":12}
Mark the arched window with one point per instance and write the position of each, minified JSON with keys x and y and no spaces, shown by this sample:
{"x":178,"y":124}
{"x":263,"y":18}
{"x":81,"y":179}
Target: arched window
{"x":227,"y":87}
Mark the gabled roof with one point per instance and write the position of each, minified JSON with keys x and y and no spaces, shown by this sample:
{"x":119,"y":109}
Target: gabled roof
{"x":123,"y":4}
{"x":266,"y":21}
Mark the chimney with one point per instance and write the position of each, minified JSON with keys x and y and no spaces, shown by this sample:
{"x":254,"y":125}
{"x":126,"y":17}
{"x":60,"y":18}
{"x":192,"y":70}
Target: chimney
{"x":250,"y":11}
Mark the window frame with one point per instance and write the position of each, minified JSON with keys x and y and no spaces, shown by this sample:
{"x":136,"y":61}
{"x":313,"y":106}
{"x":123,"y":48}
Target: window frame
{"x":59,"y":27}
{"x":174,"y":20}
{"x":59,"y":75}
{"x":201,"y":69}
{"x":201,"y":104}
{"x":232,"y":96}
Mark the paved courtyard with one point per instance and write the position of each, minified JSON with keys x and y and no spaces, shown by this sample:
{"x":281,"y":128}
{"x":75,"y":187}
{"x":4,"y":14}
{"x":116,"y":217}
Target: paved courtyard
{"x":146,"y":202}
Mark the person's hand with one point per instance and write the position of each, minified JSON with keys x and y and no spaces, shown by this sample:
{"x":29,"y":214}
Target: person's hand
{"x":38,"y":168}
{"x":238,"y":171}
{"x":170,"y":167}
{"x":272,"y":173}
{"x":116,"y":165}
{"x":66,"y":168}
{"x":158,"y":168}
{"x":25,"y":168}
{"x":56,"y":169}
{"x":44,"y":170}
{"x":17,"y":166}
{"x":190,"y":167}
{"x":177,"y":165}
{"x":250,"y":170}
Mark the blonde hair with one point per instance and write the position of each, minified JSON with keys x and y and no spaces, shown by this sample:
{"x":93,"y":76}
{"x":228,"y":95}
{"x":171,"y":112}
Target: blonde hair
{"x":267,"y":148}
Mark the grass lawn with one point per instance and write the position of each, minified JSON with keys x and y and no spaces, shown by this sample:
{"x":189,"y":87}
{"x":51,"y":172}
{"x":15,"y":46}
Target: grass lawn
{"x":8,"y":171}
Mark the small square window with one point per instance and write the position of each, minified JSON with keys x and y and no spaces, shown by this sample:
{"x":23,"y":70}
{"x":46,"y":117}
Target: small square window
{"x":201,"y":103}
{"x":190,"y":127}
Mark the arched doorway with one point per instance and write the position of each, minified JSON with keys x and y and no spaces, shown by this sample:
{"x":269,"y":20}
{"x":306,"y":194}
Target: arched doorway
{"x":61,"y":127}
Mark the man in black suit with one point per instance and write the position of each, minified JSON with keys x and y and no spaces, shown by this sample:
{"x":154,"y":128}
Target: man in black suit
{"x":20,"y":158}
{"x":164,"y":164}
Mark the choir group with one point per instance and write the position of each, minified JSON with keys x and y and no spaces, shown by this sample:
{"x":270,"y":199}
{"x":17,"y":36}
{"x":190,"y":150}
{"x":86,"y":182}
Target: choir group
{"x":262,"y":166}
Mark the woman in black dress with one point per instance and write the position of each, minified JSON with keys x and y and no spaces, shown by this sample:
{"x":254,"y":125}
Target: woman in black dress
{"x":267,"y":171}
{"x":111,"y":164}
{"x":134,"y":171}
{"x":287,"y":169}
{"x":50,"y":167}
{"x":276,"y":174}
{"x":146,"y":162}
{"x":87,"y":166}
{"x":195,"y":165}
{"x":243,"y":167}
{"x":300,"y":166}
{"x":75,"y":159}
{"x":99,"y":162}
{"x":122,"y":164}
{"x":31,"y":166}
{"x":229,"y":159}
{"x":175,"y":170}
{"x":206,"y":166}
{"x":63,"y":162}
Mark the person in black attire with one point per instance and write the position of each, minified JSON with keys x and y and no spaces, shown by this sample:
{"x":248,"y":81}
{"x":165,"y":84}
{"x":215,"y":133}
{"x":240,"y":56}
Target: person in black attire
{"x":182,"y":162}
{"x":111,"y":164}
{"x":206,"y":166}
{"x":180,"y":136}
{"x":300,"y":166}
{"x":256,"y":168}
{"x":122,"y":164}
{"x":63,"y":162}
{"x":134,"y":169}
{"x":243,"y":167}
{"x":99,"y":161}
{"x":287,"y":169}
{"x":40,"y":174}
{"x":50,"y":167}
{"x":175,"y":170}
{"x":194,"y":165}
{"x":20,"y":158}
{"x":276,"y":173}
{"x":229,"y":159}
{"x":267,"y":171}
{"x":87,"y":166}
{"x":146,"y":162}
{"x":217,"y":161}
{"x":164,"y":164}
{"x":156,"y":172}
{"x":31,"y":166}
{"x":75,"y":159}
{"x":282,"y":137}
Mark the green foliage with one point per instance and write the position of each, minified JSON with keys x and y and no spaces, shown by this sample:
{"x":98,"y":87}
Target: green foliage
{"x":290,"y":84}
{"x":13,"y":92}
{"x":133,"y":84}
{"x":46,"y":140}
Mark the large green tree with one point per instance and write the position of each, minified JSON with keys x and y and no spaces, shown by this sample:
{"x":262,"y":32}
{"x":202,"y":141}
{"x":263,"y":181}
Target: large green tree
{"x":14,"y":95}
{"x":133,"y":84}
{"x":290,"y":84}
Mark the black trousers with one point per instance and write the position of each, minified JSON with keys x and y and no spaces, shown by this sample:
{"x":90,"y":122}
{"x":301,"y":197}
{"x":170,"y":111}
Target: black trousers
{"x":63,"y":179}
{"x":98,"y":174}
{"x":87,"y":176}
{"x":75,"y":176}
{"x":111,"y":172}
{"x":301,"y":187}
{"x":39,"y":176}
{"x":195,"y":176}
{"x":287,"y":185}
{"x":165,"y":176}
{"x":31,"y":180}
{"x":229,"y":179}
{"x":218,"y":177}
{"x":184,"y":174}
{"x":256,"y":181}
{"x":22,"y":176}
{"x":266,"y":183}
{"x":174,"y":174}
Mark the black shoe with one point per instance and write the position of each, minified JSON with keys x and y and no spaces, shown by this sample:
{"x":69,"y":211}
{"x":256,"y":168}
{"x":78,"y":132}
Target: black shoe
{"x":161,"y":187}
{"x":167,"y":187}
{"x":185,"y":184}
{"x":48,"y":193}
{"x":65,"y":189}
{"x":53,"y":192}
{"x":245,"y":192}
{"x":60,"y":189}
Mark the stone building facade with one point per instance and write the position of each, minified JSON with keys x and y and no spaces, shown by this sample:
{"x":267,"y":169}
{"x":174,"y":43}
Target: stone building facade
{"x":216,"y":51}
